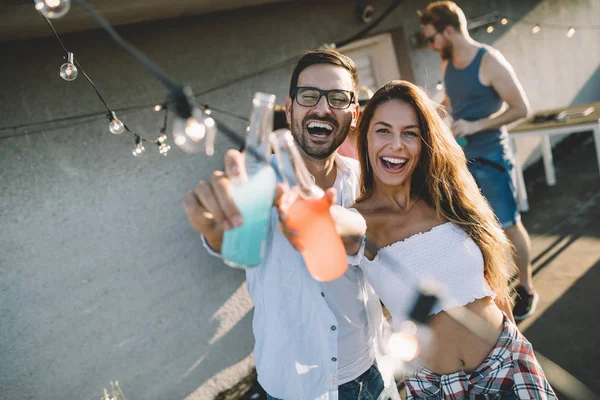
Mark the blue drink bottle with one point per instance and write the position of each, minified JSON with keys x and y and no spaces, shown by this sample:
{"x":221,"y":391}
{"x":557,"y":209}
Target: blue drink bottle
{"x":244,"y":246}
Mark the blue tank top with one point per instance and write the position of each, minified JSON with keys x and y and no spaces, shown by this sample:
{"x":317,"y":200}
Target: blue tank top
{"x":470,"y":100}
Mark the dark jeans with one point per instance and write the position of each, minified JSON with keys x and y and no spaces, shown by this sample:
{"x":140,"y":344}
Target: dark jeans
{"x":368,"y":386}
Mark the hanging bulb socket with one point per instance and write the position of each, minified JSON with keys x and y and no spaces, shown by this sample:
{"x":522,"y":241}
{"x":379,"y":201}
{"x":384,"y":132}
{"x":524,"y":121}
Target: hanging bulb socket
{"x":139,"y":148}
{"x":116,"y":127}
{"x":68,"y":71}
{"x":428,"y":298}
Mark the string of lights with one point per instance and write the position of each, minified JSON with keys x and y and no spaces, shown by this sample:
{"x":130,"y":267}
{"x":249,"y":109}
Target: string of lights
{"x":69,"y":72}
{"x":493,"y":18}
{"x":245,"y":77}
{"x":488,"y":20}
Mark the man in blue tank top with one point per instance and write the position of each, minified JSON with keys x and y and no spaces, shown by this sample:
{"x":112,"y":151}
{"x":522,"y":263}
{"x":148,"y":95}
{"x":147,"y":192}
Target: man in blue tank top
{"x":479,"y":81}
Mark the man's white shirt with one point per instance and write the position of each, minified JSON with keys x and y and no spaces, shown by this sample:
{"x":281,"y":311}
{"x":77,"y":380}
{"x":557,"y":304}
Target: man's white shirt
{"x":313,"y":336}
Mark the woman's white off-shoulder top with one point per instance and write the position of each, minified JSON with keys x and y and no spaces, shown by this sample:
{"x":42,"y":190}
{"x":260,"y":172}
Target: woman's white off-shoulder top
{"x":445,"y":254}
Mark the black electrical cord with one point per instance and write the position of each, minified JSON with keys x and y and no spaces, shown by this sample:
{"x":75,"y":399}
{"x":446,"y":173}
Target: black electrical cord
{"x":132,"y":50}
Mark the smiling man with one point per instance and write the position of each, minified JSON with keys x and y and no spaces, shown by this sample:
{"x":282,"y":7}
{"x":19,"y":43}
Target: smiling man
{"x":314,"y":340}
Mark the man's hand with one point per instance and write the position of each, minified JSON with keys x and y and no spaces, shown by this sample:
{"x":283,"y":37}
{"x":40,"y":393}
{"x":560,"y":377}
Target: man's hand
{"x":210,"y":207}
{"x":349,"y":225}
{"x":462,"y":128}
{"x":284,"y":198}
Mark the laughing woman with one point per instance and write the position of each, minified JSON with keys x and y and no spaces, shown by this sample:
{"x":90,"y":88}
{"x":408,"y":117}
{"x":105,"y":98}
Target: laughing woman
{"x":423,"y":210}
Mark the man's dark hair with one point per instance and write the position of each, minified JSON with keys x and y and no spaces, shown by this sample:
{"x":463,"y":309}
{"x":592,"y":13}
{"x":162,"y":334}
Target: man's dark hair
{"x":323,"y":56}
{"x":442,"y":14}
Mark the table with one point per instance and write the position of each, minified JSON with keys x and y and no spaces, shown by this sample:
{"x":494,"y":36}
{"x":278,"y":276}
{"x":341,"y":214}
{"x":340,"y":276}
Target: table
{"x":576,"y":122}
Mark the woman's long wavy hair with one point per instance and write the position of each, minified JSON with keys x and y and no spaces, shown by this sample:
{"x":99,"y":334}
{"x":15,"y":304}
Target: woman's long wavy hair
{"x":443,"y":181}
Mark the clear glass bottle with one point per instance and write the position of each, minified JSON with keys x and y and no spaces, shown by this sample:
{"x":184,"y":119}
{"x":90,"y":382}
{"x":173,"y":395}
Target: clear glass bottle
{"x":253,"y":194}
{"x":320,"y":245}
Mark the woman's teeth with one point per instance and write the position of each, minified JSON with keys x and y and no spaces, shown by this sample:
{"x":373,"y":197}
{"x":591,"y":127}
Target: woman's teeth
{"x":394,"y":160}
{"x":393,"y":163}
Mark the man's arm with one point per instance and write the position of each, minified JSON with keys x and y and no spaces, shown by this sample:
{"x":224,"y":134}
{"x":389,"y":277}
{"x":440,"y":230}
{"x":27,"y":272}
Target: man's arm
{"x":499,"y":74}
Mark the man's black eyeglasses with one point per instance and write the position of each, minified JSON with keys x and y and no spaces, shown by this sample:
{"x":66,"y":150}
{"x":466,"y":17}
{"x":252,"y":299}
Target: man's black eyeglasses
{"x":431,"y":39}
{"x":336,"y":98}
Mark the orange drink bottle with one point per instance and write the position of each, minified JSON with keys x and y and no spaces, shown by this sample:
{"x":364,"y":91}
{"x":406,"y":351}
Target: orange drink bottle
{"x":320,"y":244}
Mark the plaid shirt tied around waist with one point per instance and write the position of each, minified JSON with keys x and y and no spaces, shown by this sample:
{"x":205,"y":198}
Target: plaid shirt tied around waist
{"x":510,"y":371}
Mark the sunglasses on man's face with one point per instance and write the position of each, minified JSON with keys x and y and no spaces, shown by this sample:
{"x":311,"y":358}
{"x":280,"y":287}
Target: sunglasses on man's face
{"x":310,"y":96}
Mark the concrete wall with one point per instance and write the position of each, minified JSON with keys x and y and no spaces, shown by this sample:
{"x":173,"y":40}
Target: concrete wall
{"x":101,"y":278}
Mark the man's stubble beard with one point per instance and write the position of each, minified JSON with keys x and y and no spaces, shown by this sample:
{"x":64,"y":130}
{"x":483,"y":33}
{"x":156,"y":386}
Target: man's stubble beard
{"x":320,"y":154}
{"x":446,"y":52}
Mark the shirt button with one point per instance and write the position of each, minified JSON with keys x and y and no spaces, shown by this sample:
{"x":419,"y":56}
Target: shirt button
{"x":322,"y":294}
{"x":333,"y":359}
{"x":333,"y":328}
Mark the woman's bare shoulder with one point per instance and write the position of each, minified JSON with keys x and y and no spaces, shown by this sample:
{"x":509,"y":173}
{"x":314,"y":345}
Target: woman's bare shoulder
{"x":364,"y":206}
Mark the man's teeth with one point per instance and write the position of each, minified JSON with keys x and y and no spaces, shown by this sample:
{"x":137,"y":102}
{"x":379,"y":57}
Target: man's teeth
{"x":322,"y":125}
{"x":394,"y":160}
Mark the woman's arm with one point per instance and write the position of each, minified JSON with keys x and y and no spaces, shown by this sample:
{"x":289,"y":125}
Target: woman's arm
{"x":351,"y":227}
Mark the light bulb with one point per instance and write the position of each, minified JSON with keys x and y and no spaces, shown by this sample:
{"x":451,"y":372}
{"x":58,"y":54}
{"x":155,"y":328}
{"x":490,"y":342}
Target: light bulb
{"x":115,"y":126}
{"x":410,"y":341}
{"x":53,"y":8}
{"x":403,"y":346}
{"x":163,"y":149}
{"x":139,"y":148}
{"x":68,"y":71}
{"x":535,"y":29}
{"x":570,"y":32}
{"x":157,"y":107}
{"x":189,"y":133}
{"x":504,"y":21}
{"x":439,"y":85}
{"x":490,"y":29}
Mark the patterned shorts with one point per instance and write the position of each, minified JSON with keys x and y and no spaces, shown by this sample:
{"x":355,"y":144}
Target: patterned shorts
{"x":510,"y":371}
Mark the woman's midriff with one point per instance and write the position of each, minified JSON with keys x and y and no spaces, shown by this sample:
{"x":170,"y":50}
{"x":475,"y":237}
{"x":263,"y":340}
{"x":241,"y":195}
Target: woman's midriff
{"x":454,"y":348}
